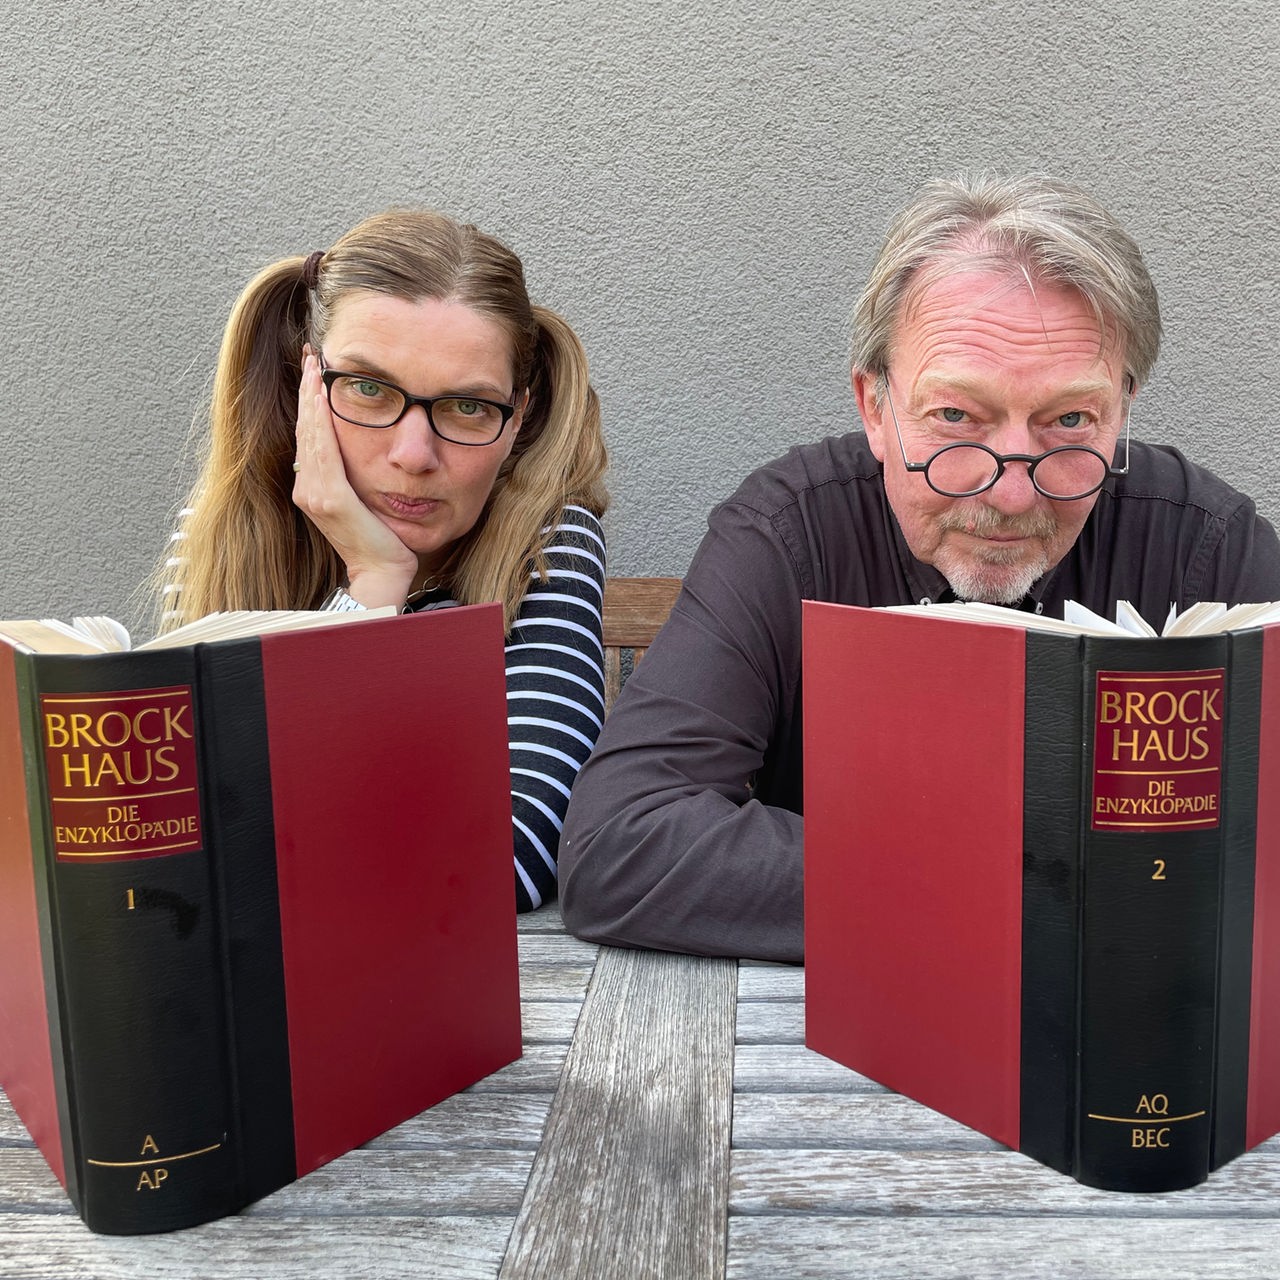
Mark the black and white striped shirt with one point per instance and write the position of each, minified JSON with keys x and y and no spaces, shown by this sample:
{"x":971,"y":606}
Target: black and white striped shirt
{"x":555,"y":694}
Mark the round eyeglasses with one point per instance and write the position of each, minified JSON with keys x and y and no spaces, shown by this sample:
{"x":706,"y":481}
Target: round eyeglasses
{"x":372,"y":402}
{"x":1065,"y":474}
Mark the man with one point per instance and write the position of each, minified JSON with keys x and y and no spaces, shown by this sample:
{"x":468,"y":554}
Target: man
{"x":997,"y":350}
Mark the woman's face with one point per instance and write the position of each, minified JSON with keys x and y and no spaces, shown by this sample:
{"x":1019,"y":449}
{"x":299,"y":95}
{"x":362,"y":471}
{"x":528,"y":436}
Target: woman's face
{"x":429,"y":492}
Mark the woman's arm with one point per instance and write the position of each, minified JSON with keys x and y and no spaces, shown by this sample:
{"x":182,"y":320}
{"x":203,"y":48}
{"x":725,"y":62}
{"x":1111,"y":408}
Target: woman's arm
{"x":555,"y":695}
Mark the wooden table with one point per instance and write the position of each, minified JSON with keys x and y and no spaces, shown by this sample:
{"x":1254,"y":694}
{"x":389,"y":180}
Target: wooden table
{"x":670,"y":1124}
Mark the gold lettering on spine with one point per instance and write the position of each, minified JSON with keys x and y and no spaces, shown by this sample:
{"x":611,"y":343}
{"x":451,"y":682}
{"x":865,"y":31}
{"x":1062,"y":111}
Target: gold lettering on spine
{"x":141,"y":1164}
{"x":1157,"y":750}
{"x":1144,"y":1134}
{"x":122,"y":773}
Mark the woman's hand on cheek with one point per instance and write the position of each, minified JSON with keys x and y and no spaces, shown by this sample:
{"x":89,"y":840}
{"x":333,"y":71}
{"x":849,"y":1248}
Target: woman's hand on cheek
{"x":380,"y":568}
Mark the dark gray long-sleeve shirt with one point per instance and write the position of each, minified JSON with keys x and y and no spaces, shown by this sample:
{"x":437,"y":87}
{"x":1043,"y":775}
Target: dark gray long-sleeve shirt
{"x":684,"y":832}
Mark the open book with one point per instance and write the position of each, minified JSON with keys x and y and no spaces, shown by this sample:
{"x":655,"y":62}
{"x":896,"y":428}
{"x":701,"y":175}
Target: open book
{"x":1042,"y":876}
{"x":105,"y":635}
{"x":1208,"y":617}
{"x":255,"y":897}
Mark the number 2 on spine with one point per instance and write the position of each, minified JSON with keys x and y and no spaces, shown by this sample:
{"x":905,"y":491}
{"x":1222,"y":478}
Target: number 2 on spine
{"x":1158,"y":874}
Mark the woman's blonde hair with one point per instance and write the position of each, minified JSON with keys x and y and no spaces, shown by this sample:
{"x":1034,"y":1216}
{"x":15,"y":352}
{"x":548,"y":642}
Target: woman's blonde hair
{"x":244,"y":545}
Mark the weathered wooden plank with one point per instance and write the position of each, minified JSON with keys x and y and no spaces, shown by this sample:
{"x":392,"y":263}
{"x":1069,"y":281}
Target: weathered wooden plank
{"x":876,"y":1120}
{"x":612,"y":675}
{"x":548,"y":1021}
{"x":406,"y":1183}
{"x":545,"y":920}
{"x":470,"y":1121}
{"x":980,"y":1184}
{"x":542,"y":981}
{"x":537,"y":1070}
{"x":951,"y":1247}
{"x":636,"y":608}
{"x":791,"y":1068}
{"x":632,"y":1176}
{"x":554,"y":948}
{"x":770,"y":982}
{"x":12,"y":1130}
{"x":247,"y":1247}
{"x":27,"y":1185}
{"x":770,"y":1022}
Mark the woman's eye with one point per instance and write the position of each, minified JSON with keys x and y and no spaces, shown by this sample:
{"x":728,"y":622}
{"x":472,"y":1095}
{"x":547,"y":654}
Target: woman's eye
{"x":1071,"y":419}
{"x":952,"y":415}
{"x":366,"y":388}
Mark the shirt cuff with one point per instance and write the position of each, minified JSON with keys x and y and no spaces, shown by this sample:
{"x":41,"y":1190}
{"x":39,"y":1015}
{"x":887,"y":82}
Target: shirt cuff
{"x":340,"y":602}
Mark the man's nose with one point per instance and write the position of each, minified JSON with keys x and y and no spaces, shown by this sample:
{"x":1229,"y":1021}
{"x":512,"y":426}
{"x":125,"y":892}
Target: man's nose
{"x":1014,"y":491}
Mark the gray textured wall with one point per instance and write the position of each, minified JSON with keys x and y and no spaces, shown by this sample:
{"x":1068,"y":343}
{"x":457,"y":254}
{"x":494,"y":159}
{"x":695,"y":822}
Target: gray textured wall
{"x":699,"y":187}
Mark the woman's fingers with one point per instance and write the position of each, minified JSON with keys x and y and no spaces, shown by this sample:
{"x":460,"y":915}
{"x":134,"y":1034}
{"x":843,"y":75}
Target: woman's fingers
{"x":321,"y":490}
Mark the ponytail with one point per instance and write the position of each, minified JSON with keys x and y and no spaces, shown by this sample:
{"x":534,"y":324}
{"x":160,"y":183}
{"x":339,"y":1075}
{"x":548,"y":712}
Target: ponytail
{"x":243,"y":544}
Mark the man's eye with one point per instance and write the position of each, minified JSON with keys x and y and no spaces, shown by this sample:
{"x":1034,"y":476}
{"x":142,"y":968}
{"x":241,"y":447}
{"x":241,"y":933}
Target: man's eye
{"x":952,"y":415}
{"x":467,"y":408}
{"x":1071,"y":419}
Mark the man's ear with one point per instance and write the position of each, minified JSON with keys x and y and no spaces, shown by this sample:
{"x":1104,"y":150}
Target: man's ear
{"x":872,"y":410}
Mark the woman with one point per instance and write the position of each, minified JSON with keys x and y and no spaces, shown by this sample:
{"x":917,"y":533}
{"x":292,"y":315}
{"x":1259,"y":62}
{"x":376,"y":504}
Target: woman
{"x":394,"y":423}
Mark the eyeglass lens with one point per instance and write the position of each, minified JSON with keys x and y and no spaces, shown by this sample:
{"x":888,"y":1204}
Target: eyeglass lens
{"x":369,"y":403}
{"x":963,"y":469}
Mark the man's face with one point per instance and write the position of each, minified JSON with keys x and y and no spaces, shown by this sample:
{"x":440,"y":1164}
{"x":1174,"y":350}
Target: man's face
{"x":981,"y":358}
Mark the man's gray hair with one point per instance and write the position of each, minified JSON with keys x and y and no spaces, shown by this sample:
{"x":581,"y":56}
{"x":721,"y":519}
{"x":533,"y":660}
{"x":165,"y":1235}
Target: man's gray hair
{"x":1037,"y":229}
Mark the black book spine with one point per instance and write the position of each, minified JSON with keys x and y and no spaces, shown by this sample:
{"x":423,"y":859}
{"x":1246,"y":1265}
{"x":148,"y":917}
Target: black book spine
{"x":1051,"y":901}
{"x":1137,"y":907}
{"x":136,"y":957}
{"x":242,"y":837}
{"x":1145,"y":853}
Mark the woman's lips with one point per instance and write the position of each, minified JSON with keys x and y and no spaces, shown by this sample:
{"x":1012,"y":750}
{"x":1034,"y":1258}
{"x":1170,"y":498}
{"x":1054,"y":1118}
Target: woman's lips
{"x":401,"y":504}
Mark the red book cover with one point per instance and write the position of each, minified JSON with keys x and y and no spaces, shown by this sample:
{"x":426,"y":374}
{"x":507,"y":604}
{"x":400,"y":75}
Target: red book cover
{"x":1040,"y":884}
{"x":897,"y":761}
{"x":1263,"y":1116}
{"x":262,"y":903}
{"x":26,"y":1053}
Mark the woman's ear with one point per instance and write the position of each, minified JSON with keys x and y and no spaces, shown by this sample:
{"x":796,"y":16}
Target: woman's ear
{"x":522,"y":407}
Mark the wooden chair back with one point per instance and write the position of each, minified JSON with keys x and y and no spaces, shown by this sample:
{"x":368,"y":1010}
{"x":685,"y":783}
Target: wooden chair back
{"x":634,"y":610}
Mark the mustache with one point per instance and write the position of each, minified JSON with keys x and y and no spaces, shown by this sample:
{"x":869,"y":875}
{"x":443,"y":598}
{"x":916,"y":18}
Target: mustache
{"x":985,"y":522}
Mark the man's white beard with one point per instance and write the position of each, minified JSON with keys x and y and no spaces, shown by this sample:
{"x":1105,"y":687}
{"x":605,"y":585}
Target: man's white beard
{"x":995,"y":575}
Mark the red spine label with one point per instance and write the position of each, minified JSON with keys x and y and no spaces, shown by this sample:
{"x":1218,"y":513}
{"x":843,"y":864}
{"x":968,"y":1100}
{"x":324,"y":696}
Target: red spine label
{"x":1157,"y":755}
{"x":122,"y":773}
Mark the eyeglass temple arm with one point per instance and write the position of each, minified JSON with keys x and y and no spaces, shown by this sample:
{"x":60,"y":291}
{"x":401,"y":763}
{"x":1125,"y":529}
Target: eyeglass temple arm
{"x":1131,"y":389}
{"x":888,"y":399}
